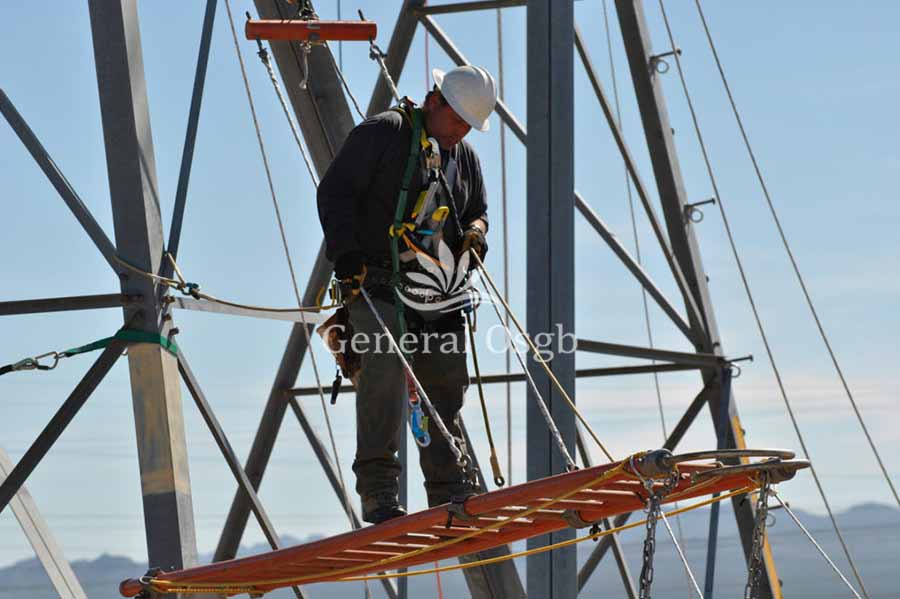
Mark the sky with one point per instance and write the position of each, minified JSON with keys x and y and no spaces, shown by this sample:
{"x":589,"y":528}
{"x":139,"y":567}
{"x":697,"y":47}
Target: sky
{"x":816,"y":85}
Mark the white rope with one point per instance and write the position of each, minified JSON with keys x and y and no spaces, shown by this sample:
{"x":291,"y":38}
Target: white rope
{"x":753,"y":307}
{"x":284,"y":241}
{"x":687,"y":567}
{"x":817,"y":546}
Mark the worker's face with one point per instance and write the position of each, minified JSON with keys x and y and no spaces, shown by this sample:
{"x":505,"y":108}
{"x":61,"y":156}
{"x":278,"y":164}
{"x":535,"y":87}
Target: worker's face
{"x":442,"y":122}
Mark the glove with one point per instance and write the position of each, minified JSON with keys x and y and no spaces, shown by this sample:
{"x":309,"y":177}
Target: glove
{"x":350,"y":268}
{"x":473,"y":238}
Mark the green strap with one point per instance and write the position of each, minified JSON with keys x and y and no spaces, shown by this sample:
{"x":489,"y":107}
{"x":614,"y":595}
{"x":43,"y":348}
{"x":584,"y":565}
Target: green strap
{"x":411,"y":163}
{"x":130,"y":335}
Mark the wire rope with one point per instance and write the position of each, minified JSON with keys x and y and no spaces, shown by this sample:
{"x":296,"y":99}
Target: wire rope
{"x":815,"y":543}
{"x":793,"y":261}
{"x":505,"y":241}
{"x":537,"y":356}
{"x":637,"y":250}
{"x":281,"y":229}
{"x":684,"y":562}
{"x":750,"y":298}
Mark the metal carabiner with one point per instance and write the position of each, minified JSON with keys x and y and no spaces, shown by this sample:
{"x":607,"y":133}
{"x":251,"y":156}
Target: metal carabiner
{"x":37,"y":360}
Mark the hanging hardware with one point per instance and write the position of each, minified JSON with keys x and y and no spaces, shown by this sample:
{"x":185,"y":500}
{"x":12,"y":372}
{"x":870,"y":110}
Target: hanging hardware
{"x":692,"y":212}
{"x":658,"y":63}
{"x":756,"y":566}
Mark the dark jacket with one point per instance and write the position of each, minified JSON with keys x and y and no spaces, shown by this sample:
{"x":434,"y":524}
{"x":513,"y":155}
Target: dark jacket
{"x":357,"y":197}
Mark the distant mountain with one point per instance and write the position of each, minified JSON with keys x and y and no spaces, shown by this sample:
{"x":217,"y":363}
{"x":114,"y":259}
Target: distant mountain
{"x":872,"y":531}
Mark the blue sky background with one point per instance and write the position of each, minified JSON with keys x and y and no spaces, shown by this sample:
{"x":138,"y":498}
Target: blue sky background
{"x":817,"y":86}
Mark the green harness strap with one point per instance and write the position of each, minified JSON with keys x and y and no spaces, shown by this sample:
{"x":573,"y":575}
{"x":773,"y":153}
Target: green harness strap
{"x":415,"y":117}
{"x":130,"y":335}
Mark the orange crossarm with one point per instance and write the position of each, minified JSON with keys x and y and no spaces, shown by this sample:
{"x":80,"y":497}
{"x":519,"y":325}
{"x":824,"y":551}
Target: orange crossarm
{"x":586,"y":493}
{"x":301,"y":30}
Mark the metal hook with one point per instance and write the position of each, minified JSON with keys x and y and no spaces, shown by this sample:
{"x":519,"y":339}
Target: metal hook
{"x":661,"y":66}
{"x":692,"y":212}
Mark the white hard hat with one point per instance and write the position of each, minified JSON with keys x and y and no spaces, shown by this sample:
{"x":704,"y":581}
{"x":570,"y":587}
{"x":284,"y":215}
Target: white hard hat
{"x":470,"y":91}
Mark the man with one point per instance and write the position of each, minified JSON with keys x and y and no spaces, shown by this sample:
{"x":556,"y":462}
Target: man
{"x":358,"y":199}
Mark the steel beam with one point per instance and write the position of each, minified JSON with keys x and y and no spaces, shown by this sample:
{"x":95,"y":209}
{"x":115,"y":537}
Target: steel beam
{"x":713,"y":536}
{"x":697,"y":323}
{"x":457,"y":7}
{"x":489,"y":379}
{"x":633,"y":266}
{"x":550,"y":274}
{"x":397,"y":51}
{"x":190,"y":136}
{"x":334,"y":479}
{"x":58,"y":180}
{"x":65,"y":304}
{"x":162,"y":451}
{"x":597,"y":554}
{"x":262,"y":518}
{"x":61,"y":419}
{"x":673,"y":197}
{"x":651,"y":353}
{"x":45,"y":547}
{"x":324,"y":118}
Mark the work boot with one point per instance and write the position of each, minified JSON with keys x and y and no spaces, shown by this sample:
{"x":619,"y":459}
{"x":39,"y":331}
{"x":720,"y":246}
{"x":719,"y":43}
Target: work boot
{"x":381,"y":508}
{"x":456,"y":493}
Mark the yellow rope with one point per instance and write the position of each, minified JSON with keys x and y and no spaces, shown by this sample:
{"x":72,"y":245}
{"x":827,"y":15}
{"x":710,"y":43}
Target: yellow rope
{"x":559,"y":545}
{"x":538,"y":358}
{"x":164,"y":586}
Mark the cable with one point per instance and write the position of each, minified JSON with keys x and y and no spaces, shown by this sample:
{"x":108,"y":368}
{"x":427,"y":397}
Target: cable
{"x":542,"y":405}
{"x":287,"y":252}
{"x":340,"y":73}
{"x":813,"y":541}
{"x":793,"y":261}
{"x":505,"y":227}
{"x":562,"y":391}
{"x":637,"y":251}
{"x":687,"y":567}
{"x":746,"y":284}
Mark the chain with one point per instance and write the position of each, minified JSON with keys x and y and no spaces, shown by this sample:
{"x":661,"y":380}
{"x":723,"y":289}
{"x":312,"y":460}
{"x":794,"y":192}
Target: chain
{"x":654,"y":511}
{"x":755,"y":565}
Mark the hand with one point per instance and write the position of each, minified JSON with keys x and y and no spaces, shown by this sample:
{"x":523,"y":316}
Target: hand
{"x":473,"y":239}
{"x":350,"y":268}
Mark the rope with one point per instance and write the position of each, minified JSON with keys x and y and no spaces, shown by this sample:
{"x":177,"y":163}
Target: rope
{"x":746,"y":285}
{"x":281,"y":229}
{"x":542,"y":405}
{"x":638,"y":257}
{"x":495,"y":464}
{"x":813,"y":541}
{"x":793,"y":261}
{"x":193,"y":290}
{"x":340,"y":73}
{"x":594,"y":536}
{"x":687,"y":567}
{"x":167,"y":587}
{"x":540,"y":360}
{"x":505,"y":222}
